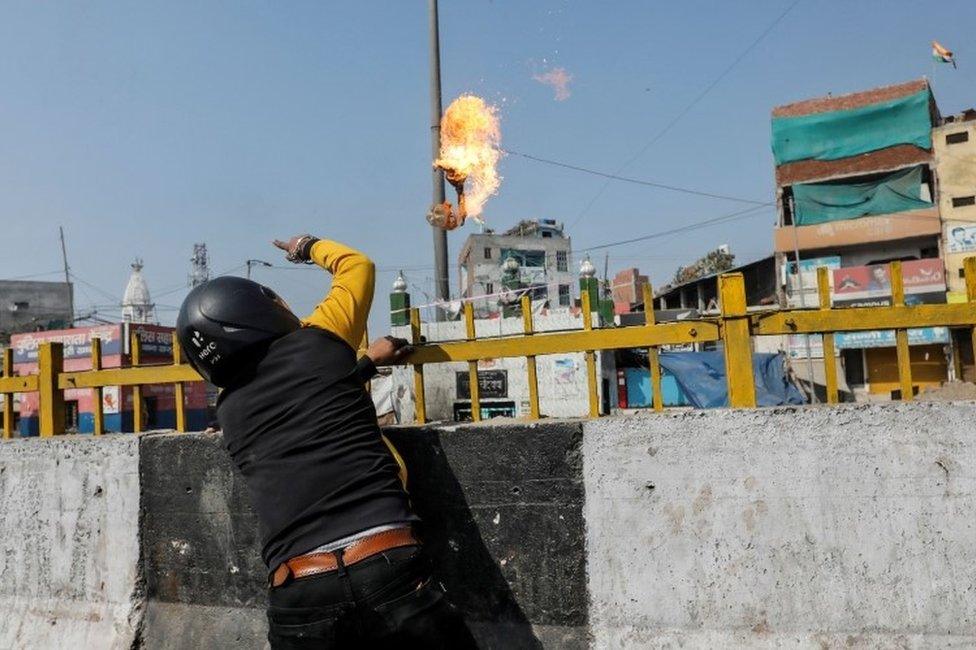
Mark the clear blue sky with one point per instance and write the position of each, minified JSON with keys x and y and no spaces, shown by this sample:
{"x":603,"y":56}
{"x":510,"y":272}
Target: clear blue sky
{"x":145,"y":127}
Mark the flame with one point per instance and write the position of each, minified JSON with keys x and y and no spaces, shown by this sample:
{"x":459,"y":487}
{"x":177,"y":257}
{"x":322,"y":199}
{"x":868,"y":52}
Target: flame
{"x":470,"y":137}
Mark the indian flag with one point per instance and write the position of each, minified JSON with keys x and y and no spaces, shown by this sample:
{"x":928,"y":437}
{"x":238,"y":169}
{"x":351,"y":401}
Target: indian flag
{"x":941,"y":54}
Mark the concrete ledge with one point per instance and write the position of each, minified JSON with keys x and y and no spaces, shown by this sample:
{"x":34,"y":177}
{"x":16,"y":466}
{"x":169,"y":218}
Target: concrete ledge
{"x":811,"y":527}
{"x":69,"y":512}
{"x":783,"y":526}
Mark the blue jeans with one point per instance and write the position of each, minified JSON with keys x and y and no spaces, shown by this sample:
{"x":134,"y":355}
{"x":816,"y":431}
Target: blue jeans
{"x":385,"y":601}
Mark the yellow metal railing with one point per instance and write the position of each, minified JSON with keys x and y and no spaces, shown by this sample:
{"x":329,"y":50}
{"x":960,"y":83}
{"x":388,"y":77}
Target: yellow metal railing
{"x":734,"y":327}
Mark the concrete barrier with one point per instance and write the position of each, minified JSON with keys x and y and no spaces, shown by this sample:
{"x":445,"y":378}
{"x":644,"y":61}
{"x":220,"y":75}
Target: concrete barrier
{"x":69,"y":520}
{"x":805,"y":527}
{"x":852,"y":526}
{"x":498,"y":503}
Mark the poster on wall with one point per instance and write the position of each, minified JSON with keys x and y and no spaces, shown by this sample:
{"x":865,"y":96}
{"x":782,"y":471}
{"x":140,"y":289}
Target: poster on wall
{"x":110,"y":399}
{"x":870,"y":286}
{"x":808,"y":277}
{"x":960,"y":237}
{"x":491,"y":384}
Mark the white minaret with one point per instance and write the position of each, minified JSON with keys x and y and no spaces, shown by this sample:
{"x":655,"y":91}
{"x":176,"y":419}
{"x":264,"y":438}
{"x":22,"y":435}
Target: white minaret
{"x":137,"y":307}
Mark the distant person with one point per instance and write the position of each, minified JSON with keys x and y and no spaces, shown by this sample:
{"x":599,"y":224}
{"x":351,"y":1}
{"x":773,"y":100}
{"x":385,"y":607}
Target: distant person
{"x":346,"y":570}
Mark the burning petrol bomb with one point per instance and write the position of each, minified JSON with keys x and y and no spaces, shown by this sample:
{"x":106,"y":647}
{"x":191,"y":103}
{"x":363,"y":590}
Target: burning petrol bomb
{"x":469,"y":154}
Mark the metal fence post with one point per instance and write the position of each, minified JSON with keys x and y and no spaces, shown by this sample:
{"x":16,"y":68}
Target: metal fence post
{"x":653,"y":363}
{"x":830,"y":361}
{"x":420,"y":401}
{"x":969,"y":264}
{"x":179,"y":391}
{"x":50,"y":398}
{"x":8,"y":398}
{"x":901,"y":335}
{"x":474,"y":389}
{"x":135,"y":355}
{"x":98,"y":413}
{"x":735,"y":337}
{"x":594,"y":398}
{"x":530,"y":364}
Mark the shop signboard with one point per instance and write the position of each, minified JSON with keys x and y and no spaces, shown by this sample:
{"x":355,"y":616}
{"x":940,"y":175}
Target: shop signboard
{"x":870,"y":286}
{"x":886,"y":338}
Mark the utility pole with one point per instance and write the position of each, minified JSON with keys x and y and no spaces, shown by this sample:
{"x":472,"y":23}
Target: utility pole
{"x":67,"y":280}
{"x":251,"y":263}
{"x":803,"y":305}
{"x":442,"y":285}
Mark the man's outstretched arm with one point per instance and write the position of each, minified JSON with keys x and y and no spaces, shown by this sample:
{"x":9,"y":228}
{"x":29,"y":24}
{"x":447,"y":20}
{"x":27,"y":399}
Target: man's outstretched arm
{"x":346,"y":307}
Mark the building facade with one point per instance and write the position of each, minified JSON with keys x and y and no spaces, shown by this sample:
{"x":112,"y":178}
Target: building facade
{"x":543,"y":253}
{"x":627,"y":290}
{"x":27,"y":306}
{"x":858,"y":186}
{"x":954,"y":146}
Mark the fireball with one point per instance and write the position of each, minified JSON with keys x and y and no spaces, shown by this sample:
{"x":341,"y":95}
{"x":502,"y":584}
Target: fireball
{"x":469,"y":154}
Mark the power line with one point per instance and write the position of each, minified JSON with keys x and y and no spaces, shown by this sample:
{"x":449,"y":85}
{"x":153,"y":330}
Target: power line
{"x":636,"y":181}
{"x":667,"y":127}
{"x":74,"y":276}
{"x":734,"y":216}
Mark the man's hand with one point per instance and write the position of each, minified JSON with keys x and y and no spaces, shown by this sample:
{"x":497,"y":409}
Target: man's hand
{"x":298,"y":248}
{"x":388,"y":351}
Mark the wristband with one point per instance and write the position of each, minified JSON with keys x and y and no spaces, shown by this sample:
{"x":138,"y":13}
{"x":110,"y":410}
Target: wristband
{"x":303,"y":250}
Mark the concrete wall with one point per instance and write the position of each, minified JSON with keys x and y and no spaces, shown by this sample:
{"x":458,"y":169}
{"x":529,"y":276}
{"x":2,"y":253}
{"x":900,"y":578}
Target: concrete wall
{"x":815,"y":527}
{"x":69,"y":521}
{"x":810,"y":527}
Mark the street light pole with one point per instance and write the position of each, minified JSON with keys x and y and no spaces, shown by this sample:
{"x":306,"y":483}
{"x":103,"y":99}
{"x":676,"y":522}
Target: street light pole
{"x":442,"y":285}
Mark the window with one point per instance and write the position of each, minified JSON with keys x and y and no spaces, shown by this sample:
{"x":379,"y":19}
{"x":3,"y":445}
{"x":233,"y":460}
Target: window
{"x":20,"y":305}
{"x":489,"y":288}
{"x":487,"y":253}
{"x":961,"y":201}
{"x":561,"y":263}
{"x":564,"y":295}
{"x":546,"y":234}
{"x":533,"y":259}
{"x":956,"y":138}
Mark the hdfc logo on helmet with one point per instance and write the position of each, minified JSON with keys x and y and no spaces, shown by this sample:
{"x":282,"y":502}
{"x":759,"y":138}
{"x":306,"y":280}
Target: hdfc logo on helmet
{"x":205,"y":349}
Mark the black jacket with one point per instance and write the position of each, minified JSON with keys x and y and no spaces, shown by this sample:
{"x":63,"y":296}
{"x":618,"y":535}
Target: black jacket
{"x":302,"y":430}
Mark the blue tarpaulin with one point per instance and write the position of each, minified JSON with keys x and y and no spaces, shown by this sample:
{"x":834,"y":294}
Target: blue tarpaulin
{"x":701,"y":377}
{"x":840,"y":134}
{"x":836,"y":201}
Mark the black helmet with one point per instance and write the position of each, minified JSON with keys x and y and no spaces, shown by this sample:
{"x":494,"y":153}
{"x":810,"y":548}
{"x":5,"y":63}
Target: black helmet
{"x":222,"y":321}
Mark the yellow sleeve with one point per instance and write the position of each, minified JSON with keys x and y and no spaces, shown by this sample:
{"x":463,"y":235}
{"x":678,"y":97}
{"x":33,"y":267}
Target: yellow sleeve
{"x":345,"y":309}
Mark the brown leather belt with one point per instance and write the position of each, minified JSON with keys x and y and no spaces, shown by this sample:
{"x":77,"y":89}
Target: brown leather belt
{"x":314,"y":563}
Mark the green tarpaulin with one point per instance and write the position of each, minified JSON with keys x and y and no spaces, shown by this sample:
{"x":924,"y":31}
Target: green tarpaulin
{"x":821,"y":202}
{"x":839,"y":134}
